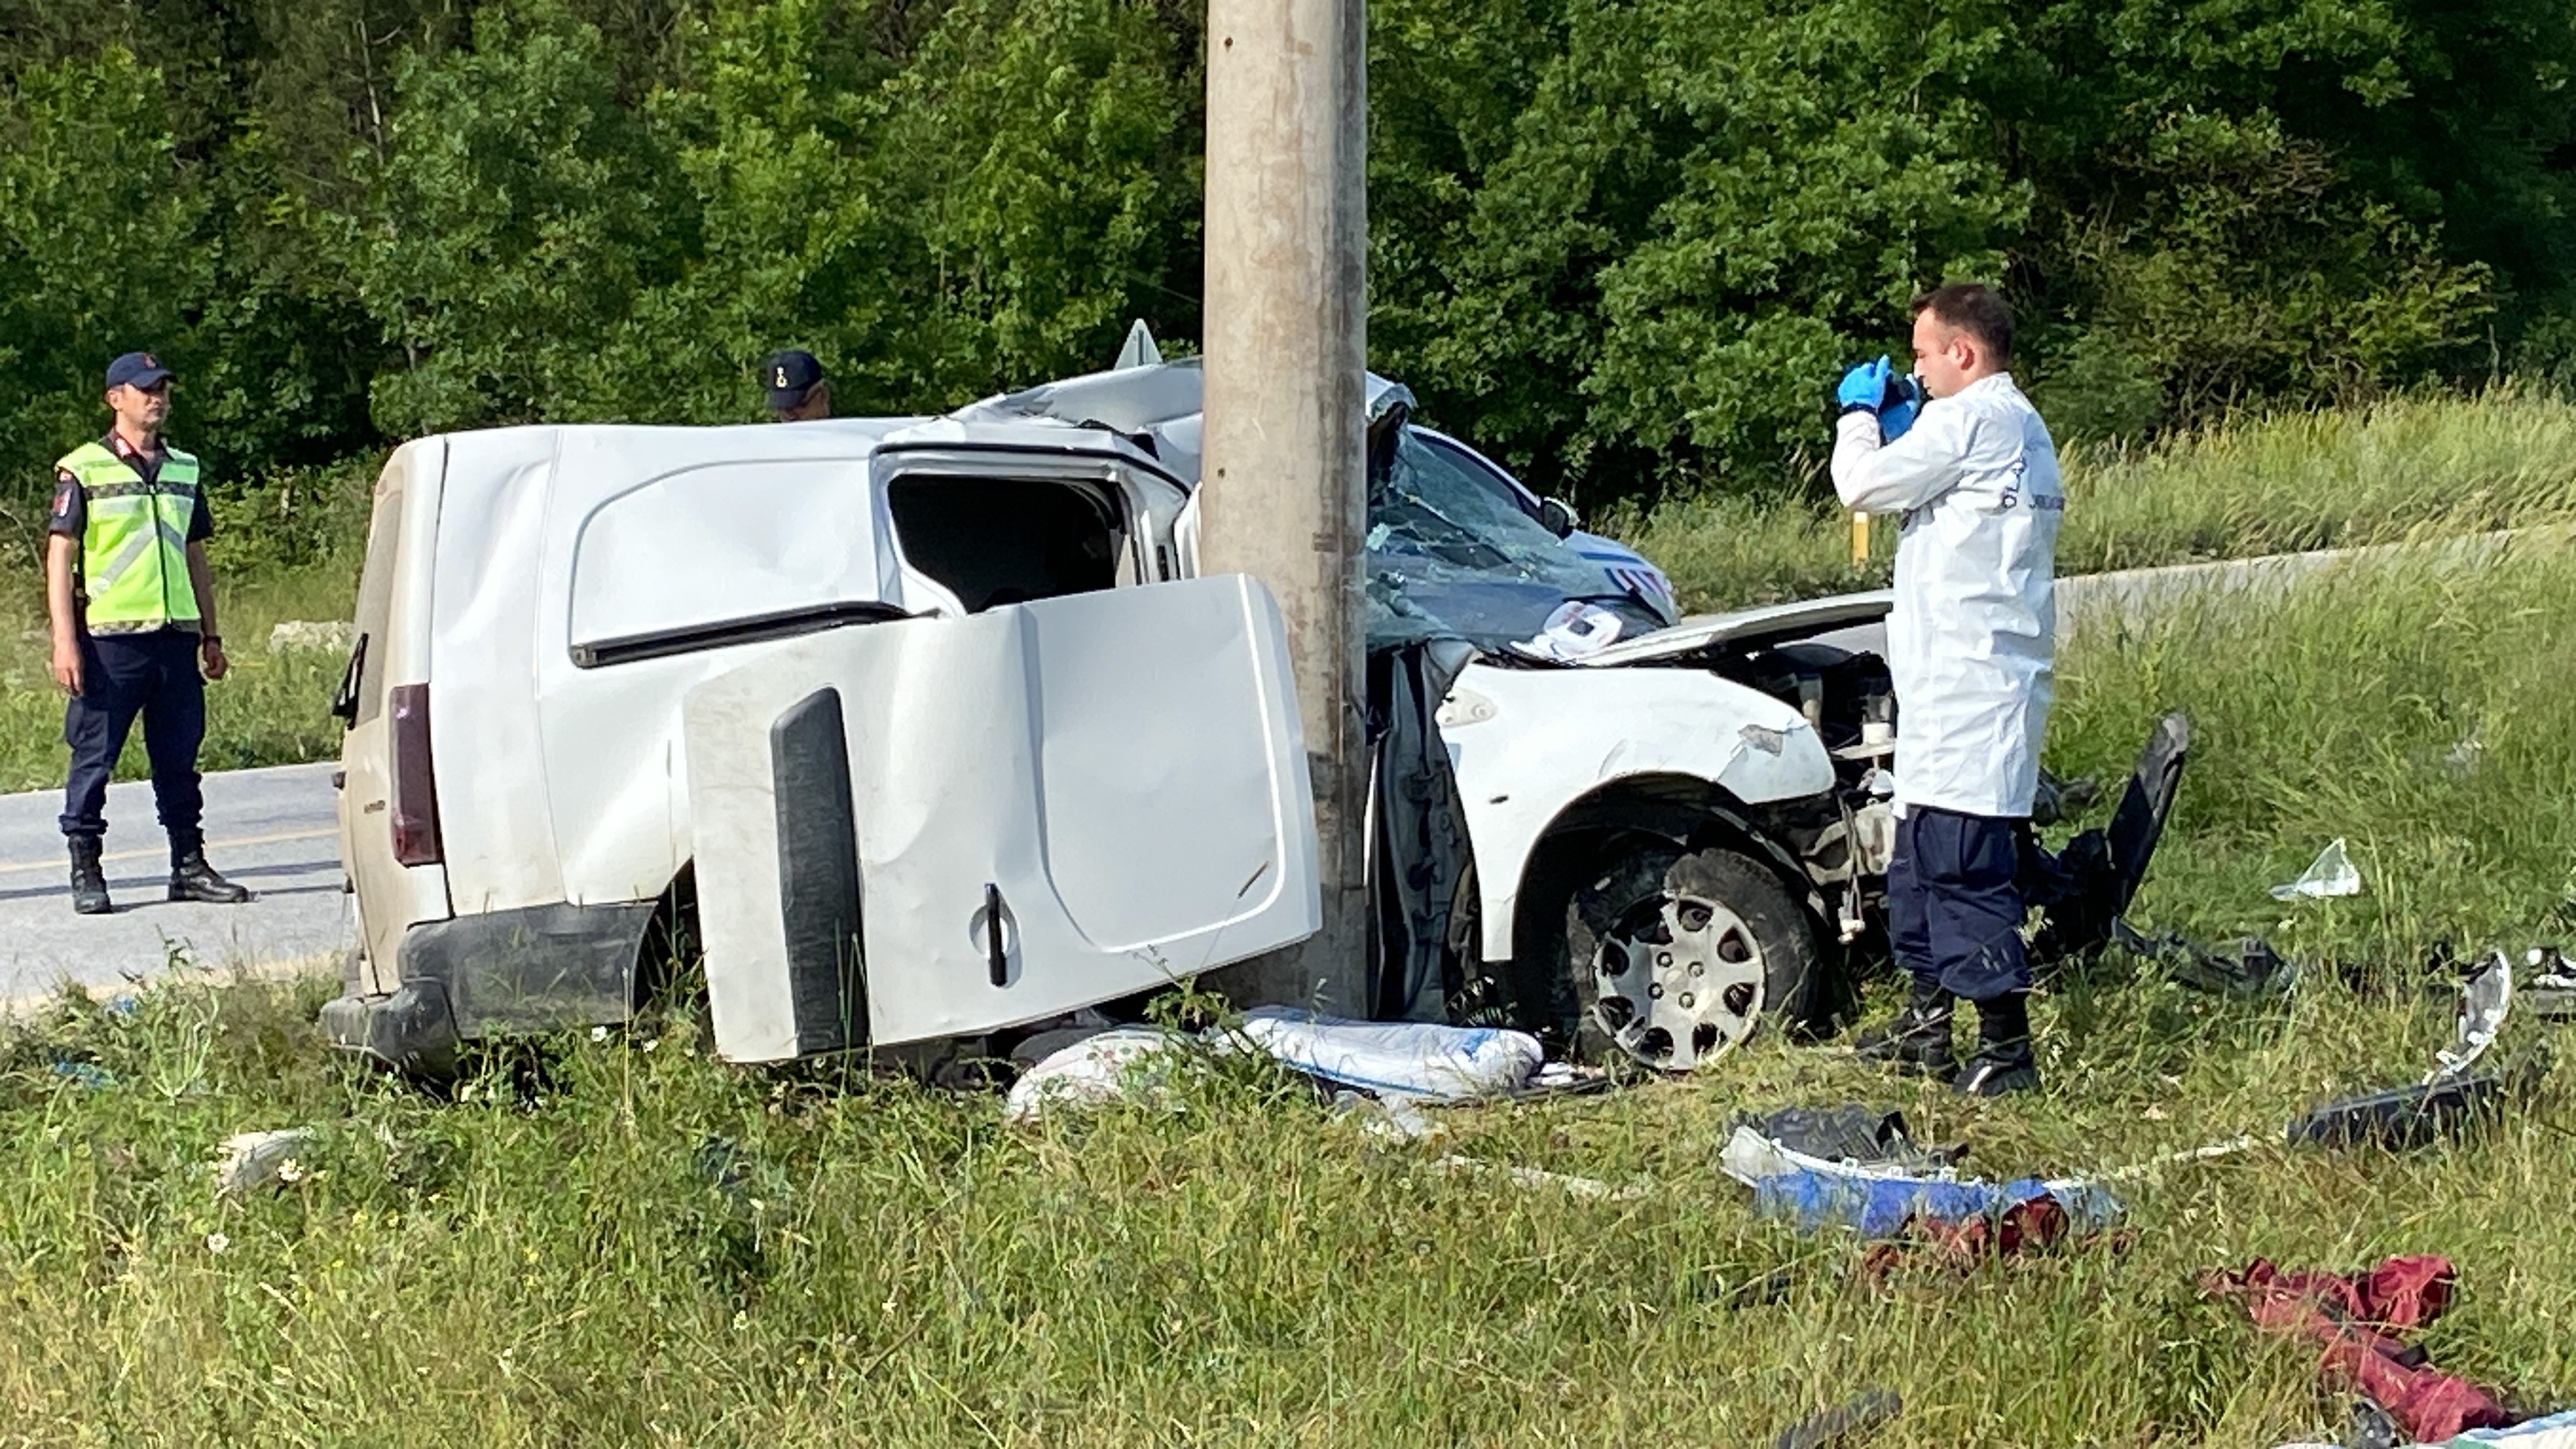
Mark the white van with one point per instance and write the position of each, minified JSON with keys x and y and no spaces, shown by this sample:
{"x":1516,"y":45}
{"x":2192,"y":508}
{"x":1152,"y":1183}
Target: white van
{"x":1664,"y":839}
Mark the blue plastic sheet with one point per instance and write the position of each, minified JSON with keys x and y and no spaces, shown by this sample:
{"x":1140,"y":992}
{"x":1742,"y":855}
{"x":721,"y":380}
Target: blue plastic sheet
{"x":1880,"y":1206}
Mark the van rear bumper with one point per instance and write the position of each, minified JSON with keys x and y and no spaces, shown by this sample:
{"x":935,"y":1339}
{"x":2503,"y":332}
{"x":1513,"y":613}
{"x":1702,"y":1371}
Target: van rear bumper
{"x":541,"y":968}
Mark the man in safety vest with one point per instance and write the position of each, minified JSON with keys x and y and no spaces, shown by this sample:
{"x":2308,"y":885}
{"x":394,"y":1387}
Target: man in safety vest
{"x":133,"y":606}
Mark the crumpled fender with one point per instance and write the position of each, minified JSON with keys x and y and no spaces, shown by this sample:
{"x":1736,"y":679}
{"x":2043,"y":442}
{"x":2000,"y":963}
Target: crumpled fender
{"x":1527,"y":744}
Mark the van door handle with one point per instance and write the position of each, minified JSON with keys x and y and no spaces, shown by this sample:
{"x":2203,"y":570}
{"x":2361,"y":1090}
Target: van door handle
{"x":994,"y":955}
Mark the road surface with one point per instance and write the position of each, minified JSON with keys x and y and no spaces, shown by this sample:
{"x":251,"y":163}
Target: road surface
{"x":271,"y":830}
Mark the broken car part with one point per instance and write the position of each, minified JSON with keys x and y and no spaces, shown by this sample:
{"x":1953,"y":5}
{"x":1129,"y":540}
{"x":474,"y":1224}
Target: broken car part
{"x":2549,"y":987}
{"x":2450,"y":1097}
{"x":2081,"y":891}
{"x":2249,"y":967}
{"x":1103,"y":791}
{"x":1852,"y":1133}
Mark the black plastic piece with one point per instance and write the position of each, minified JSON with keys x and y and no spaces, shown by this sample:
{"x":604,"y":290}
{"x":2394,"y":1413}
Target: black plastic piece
{"x":818,"y":874}
{"x":2084,"y":889}
{"x":2402,"y":1118}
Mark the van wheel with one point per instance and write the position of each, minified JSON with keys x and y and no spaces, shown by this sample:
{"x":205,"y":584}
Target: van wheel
{"x":1663,"y":956}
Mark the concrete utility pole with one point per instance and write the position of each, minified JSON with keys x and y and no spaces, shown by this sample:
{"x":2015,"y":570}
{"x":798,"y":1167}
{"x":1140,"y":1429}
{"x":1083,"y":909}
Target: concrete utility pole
{"x":1283,"y":467}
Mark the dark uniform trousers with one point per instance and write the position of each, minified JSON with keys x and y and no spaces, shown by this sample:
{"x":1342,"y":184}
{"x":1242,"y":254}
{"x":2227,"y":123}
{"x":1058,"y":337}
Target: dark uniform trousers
{"x":152,"y":674}
{"x":1954,"y":904}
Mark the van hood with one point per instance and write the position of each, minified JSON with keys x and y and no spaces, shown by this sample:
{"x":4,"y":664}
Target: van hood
{"x":1746,"y":628}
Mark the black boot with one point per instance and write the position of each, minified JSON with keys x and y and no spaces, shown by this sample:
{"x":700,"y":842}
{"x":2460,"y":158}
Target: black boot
{"x":1918,"y":1039}
{"x":191,"y":879}
{"x":2003,"y":1062}
{"x":89,"y":879}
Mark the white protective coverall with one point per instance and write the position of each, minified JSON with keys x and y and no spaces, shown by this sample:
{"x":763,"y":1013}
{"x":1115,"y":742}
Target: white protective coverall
{"x":1972,"y":644}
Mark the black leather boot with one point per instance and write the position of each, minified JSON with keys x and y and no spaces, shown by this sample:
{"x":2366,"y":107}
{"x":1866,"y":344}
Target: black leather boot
{"x":191,"y":879}
{"x":89,"y":879}
{"x":1918,"y":1038}
{"x":2004,"y":1062}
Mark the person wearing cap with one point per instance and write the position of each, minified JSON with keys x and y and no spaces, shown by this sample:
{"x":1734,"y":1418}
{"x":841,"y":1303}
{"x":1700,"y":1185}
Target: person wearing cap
{"x":132,"y":601}
{"x":798,"y":391}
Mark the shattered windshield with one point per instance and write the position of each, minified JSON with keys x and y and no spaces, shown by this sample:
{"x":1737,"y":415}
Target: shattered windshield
{"x":1451,"y":556}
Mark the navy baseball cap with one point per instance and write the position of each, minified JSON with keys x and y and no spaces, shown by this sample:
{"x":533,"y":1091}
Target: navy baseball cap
{"x":790,"y":376}
{"x":138,"y":369}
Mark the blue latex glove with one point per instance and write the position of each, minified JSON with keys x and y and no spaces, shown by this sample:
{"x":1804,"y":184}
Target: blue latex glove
{"x":1899,"y":415}
{"x":1864,"y":387}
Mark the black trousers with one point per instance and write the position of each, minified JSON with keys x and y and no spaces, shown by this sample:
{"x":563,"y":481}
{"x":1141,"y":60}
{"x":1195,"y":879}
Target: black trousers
{"x":155,"y":676}
{"x":1954,"y":906}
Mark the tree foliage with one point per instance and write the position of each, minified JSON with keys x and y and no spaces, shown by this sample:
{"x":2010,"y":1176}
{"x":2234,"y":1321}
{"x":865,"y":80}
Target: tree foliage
{"x":1622,"y":243}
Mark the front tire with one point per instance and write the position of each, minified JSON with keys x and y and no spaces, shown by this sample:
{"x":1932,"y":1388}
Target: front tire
{"x":1633,"y":948}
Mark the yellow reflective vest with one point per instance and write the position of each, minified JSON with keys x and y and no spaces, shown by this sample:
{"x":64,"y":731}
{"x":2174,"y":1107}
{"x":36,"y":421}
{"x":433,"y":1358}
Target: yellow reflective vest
{"x":134,"y":550}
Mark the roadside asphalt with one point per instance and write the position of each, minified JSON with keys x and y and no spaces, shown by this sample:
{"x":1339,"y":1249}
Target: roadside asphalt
{"x":272,"y":830}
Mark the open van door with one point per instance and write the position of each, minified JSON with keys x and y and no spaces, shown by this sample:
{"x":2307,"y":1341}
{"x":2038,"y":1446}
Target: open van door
{"x":940,"y":827}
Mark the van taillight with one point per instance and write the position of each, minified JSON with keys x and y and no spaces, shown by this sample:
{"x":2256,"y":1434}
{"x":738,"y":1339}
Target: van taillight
{"x":415,"y":793}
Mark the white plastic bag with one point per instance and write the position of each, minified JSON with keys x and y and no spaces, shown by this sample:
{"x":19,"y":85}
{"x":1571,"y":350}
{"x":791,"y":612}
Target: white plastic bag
{"x":2333,"y":874}
{"x":1399,"y":1058}
{"x":1127,"y":1063}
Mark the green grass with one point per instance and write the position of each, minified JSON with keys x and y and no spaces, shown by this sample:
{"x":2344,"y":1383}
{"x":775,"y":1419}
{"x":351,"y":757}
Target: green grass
{"x":547,"y":1262}
{"x":273,"y":708}
{"x":2405,"y":468}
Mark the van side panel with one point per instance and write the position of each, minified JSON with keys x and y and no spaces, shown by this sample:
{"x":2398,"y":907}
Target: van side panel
{"x":483,"y":676}
{"x":678,"y":528}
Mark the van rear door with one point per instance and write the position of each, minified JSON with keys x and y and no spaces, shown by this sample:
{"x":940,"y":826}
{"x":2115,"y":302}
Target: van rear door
{"x":396,"y":872}
{"x":941,"y":827}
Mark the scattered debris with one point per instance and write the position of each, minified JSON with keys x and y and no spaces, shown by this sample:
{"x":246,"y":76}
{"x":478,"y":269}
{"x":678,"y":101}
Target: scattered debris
{"x":2081,"y":890}
{"x":2331,"y":874}
{"x":294,"y":634}
{"x":2450,"y":1097}
{"x":2550,"y":990}
{"x":1854,"y":1133}
{"x":259,"y":1159}
{"x":1881,"y":1200}
{"x":2204,"y":1153}
{"x":1574,"y":630}
{"x":2464,"y":757}
{"x":2031,"y":1225}
{"x":2356,"y":1316}
{"x":1844,"y":1423}
{"x":1395,"y":1119}
{"x":2250,"y":967}
{"x":1425,"y":1060}
{"x":85,"y":1074}
{"x":1123,"y":1064}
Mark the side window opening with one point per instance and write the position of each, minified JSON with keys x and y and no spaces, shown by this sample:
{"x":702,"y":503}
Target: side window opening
{"x":995,"y":541}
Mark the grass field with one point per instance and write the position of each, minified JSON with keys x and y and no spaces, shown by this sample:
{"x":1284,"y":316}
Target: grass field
{"x":635,"y":1245}
{"x":2406,"y":468}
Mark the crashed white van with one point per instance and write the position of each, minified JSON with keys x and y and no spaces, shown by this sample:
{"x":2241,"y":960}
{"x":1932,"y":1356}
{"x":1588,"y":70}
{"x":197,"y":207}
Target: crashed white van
{"x":877,"y":711}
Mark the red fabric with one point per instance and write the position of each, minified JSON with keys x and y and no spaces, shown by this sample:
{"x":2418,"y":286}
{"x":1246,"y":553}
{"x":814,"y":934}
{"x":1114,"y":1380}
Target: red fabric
{"x":2032,"y":1226}
{"x":2347,"y":1312}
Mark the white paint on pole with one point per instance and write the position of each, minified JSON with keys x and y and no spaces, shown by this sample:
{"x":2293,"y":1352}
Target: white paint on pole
{"x":1284,"y":466}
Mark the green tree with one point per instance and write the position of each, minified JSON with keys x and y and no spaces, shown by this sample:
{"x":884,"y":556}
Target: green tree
{"x":98,"y":220}
{"x":516,"y":217}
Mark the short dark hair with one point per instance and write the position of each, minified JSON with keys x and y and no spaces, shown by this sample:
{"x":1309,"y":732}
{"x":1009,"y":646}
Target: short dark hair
{"x":1973,"y":308}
